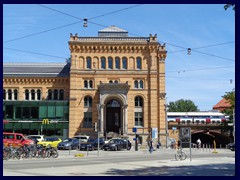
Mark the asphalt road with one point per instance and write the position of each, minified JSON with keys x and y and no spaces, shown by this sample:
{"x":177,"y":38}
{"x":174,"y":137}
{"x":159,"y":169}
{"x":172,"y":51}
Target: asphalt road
{"x":126,"y":163}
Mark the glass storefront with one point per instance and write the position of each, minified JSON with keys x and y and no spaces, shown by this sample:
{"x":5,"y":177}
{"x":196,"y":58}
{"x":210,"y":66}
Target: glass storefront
{"x":28,"y":117}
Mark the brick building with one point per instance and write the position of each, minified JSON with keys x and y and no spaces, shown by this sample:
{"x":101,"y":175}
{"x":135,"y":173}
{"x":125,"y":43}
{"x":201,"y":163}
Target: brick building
{"x":113,"y":79}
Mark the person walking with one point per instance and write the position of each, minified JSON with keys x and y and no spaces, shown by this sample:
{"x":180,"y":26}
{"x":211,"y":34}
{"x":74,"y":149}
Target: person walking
{"x":199,"y":143}
{"x":151,"y":146}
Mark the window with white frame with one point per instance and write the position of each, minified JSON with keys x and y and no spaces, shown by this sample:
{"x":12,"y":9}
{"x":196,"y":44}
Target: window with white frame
{"x":88,"y":101}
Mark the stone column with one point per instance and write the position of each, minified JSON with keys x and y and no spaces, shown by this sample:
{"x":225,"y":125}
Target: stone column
{"x":125,"y":120}
{"x":101,"y":120}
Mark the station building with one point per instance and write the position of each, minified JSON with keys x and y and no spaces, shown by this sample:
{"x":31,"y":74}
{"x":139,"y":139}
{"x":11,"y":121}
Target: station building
{"x":112,"y":80}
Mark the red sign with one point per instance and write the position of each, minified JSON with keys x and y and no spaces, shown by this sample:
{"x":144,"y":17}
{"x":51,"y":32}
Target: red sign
{"x":177,"y":119}
{"x":5,"y":121}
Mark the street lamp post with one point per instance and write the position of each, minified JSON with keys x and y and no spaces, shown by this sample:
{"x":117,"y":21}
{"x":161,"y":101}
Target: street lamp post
{"x":166,"y":124}
{"x":98,"y":124}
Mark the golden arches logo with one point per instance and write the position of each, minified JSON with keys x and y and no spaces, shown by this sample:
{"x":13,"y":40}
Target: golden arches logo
{"x":45,"y":121}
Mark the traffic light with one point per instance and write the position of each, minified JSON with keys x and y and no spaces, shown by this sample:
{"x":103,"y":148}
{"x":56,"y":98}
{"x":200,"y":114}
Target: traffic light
{"x":95,"y":127}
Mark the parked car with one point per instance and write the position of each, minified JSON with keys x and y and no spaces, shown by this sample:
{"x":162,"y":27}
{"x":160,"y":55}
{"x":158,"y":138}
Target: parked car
{"x":231,"y":146}
{"x":69,"y":143}
{"x":92,"y":144}
{"x":16,"y":139}
{"x":82,"y":138}
{"x":52,"y":141}
{"x":39,"y":138}
{"x":117,"y":144}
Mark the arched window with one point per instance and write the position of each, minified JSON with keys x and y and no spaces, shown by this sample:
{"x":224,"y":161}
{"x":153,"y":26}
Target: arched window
{"x":115,"y":81}
{"x":15,"y":93}
{"x":117,"y":63}
{"x":38,"y":94}
{"x":32,"y":94}
{"x":49,"y":94}
{"x":26,"y":94}
{"x":110,"y":63}
{"x":86,"y":84}
{"x":9,"y":94}
{"x":103,"y":62}
{"x":124,"y":63}
{"x":89,"y":63}
{"x":87,"y":101}
{"x":136,"y":84}
{"x":138,"y":101}
{"x":61,"y":95}
{"x":4,"y":94}
{"x":90,"y":84}
{"x":110,"y":81}
{"x":55,"y":94}
{"x":139,"y":63}
{"x":141,"y":84}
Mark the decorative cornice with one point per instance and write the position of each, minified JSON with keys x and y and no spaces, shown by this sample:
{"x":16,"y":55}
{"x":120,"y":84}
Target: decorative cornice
{"x":34,"y":80}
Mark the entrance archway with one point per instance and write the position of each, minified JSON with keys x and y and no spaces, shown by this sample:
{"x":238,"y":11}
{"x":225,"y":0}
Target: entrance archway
{"x":113,"y":116}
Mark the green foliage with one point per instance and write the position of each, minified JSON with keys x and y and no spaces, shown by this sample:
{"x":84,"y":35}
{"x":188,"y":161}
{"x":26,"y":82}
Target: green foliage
{"x":230,"y":97}
{"x":182,"y":106}
{"x":228,"y":6}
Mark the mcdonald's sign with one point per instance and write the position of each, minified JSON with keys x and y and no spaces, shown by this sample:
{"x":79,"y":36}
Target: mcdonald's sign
{"x":45,"y":121}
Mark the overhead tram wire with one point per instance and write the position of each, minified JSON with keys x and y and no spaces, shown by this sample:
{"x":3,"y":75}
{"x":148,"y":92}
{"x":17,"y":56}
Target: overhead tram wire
{"x":81,"y":20}
{"x":202,"y":69}
{"x":35,"y":53}
{"x":108,"y":26}
{"x":219,"y":44}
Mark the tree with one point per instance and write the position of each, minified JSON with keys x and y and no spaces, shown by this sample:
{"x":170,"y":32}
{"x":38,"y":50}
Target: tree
{"x":228,"y":6}
{"x":182,"y":106}
{"x":230,"y":97}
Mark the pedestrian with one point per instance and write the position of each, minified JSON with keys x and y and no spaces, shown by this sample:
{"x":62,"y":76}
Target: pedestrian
{"x":158,"y":145}
{"x":151,"y":145}
{"x":199,"y":143}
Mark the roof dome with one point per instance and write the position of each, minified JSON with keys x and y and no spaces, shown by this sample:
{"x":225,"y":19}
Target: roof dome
{"x":112,"y":31}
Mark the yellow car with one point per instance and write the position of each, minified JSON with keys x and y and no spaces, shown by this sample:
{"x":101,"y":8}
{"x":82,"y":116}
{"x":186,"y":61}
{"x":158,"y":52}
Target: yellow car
{"x":52,"y":141}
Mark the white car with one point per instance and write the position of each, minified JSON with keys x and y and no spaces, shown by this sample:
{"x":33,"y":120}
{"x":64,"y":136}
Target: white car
{"x":82,"y":138}
{"x":39,"y":138}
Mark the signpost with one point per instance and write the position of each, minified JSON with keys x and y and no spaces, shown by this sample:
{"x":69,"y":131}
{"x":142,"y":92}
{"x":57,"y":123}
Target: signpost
{"x":135,"y":139}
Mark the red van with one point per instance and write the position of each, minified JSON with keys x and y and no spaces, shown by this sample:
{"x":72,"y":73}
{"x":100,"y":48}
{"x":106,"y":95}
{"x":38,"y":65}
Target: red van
{"x":15,"y":139}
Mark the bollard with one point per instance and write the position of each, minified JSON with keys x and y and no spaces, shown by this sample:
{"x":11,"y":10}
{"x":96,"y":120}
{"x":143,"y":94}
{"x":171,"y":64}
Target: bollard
{"x":69,"y":150}
{"x":214,"y":144}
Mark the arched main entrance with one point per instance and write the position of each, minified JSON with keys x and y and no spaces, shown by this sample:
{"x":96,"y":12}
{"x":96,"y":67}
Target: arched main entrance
{"x":113,"y":116}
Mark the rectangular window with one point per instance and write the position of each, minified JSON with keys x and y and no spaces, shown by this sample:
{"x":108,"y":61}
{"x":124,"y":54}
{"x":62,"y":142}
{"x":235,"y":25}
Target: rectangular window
{"x":26,"y":112}
{"x":51,"y":111}
{"x":59,"y":111}
{"x":42,"y":111}
{"x":138,"y":119}
{"x":18,"y":112}
{"x":34,"y":112}
{"x":87,"y":119}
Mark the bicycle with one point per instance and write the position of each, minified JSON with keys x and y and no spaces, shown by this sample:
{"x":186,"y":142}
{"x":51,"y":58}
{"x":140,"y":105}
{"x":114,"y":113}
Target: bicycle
{"x":180,"y":155}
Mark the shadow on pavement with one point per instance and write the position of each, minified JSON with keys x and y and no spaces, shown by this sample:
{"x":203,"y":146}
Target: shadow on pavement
{"x":199,"y":170}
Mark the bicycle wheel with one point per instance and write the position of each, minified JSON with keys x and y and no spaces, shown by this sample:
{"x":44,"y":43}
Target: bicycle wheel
{"x":182,"y":156}
{"x":177,"y":156}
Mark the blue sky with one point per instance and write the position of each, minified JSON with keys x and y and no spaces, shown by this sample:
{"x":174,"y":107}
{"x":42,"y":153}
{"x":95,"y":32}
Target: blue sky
{"x":209,"y":30}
